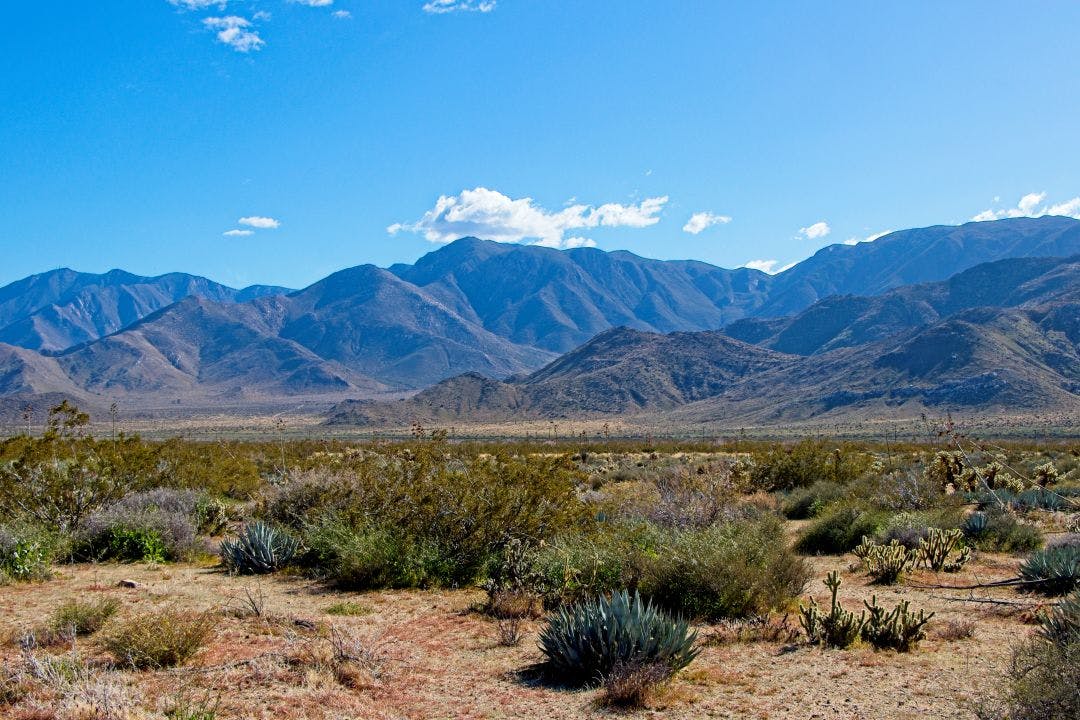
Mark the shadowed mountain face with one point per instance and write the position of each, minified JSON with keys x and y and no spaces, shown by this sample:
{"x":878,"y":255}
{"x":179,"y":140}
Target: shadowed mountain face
{"x":489,"y":310}
{"x":57,"y":310}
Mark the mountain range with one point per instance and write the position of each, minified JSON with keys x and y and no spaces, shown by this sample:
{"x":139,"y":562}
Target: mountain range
{"x":497,"y":330}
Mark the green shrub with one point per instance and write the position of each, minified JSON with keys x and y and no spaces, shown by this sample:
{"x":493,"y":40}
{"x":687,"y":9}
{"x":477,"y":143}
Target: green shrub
{"x":1053,"y":571}
{"x":577,"y":566}
{"x":26,"y":552}
{"x":995,"y":531}
{"x":805,"y":463}
{"x":159,"y":638}
{"x":260,"y":548}
{"x":368,"y":558}
{"x":730,"y":570}
{"x":1042,"y":683}
{"x":152,"y":526}
{"x":803,"y":503}
{"x":349,"y":609}
{"x":839,"y":531}
{"x":586,"y":641}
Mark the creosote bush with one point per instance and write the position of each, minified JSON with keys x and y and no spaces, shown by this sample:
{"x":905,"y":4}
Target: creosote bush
{"x":839,"y":531}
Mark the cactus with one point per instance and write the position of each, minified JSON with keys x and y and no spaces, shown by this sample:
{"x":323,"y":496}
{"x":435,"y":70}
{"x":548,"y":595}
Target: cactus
{"x":886,"y":563}
{"x":898,"y":630}
{"x":259,"y":549}
{"x":586,"y":641}
{"x":1053,"y":571}
{"x":1046,"y":474}
{"x":839,"y":628}
{"x":934,"y":550}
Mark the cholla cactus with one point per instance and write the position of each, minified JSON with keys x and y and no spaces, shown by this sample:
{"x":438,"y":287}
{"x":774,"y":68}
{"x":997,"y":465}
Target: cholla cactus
{"x":946,"y":470}
{"x":934,"y":550}
{"x":886,"y":563}
{"x":1046,"y":474}
{"x":839,"y":628}
{"x":898,"y":630}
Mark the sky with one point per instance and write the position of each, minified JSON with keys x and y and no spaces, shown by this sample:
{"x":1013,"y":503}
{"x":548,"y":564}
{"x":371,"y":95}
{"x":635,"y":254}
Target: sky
{"x":276,"y":141}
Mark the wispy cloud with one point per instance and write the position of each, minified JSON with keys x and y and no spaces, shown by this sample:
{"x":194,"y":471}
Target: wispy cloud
{"x":491,"y":215}
{"x":768,"y":266}
{"x":703,"y":220}
{"x":258,"y":221}
{"x":313,"y":3}
{"x":1031,"y":205}
{"x":438,"y":7}
{"x":238,"y":233}
{"x":199,"y":4}
{"x":233,"y":31}
{"x":816,"y":231}
{"x":868,"y":238}
{"x":342,"y":14}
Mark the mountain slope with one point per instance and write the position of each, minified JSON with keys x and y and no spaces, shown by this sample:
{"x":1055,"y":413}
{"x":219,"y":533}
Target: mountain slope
{"x":59,"y":309}
{"x":848,"y":320}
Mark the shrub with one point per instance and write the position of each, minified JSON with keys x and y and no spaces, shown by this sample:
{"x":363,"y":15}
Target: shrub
{"x":803,"y":503}
{"x":1001,"y":532}
{"x":575,"y":567}
{"x":349,"y":608}
{"x":260,"y":548}
{"x":152,"y":526}
{"x":584,"y":642}
{"x":838,"y":531}
{"x":630,"y":684}
{"x":899,"y":630}
{"x":838,"y":628}
{"x":1053,"y":571}
{"x":805,"y":463}
{"x":1042,"y":683}
{"x":26,"y":553}
{"x":730,"y":570}
{"x":367,"y":558}
{"x":83,"y":617}
{"x":911,"y":528}
{"x":159,"y":638}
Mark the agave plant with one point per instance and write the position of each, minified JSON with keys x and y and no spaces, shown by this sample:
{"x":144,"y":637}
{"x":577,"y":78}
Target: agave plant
{"x":1053,"y":571}
{"x":260,"y":548}
{"x":1062,"y":624}
{"x":586,"y":641}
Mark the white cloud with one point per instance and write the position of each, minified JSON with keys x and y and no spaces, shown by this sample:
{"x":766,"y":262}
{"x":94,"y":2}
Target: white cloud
{"x":313,"y":3}
{"x":238,"y":233}
{"x":1031,"y":205}
{"x":816,"y":231}
{"x":232,"y":31}
{"x":198,"y":4}
{"x":438,"y":7}
{"x":702,"y":220}
{"x":868,"y":238}
{"x":342,"y":14}
{"x":257,"y":221}
{"x":491,"y":215}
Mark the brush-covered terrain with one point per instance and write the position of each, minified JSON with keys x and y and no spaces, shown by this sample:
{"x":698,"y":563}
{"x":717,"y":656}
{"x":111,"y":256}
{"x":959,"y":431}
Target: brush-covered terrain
{"x":428,"y":578}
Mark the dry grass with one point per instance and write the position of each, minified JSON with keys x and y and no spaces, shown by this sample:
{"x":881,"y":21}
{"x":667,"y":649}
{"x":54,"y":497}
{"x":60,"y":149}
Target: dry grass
{"x":162,"y":638}
{"x":434,"y":656}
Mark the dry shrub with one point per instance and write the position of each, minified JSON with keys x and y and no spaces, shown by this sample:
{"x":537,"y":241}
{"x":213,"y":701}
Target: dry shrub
{"x":756,"y":628}
{"x":515,"y":604}
{"x":956,"y":630}
{"x":509,"y":630}
{"x":83,"y":617}
{"x":632,"y":684}
{"x":160,"y":638}
{"x":352,"y":661}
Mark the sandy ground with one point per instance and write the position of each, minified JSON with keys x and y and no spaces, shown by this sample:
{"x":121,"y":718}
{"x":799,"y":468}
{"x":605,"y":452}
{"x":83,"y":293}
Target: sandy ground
{"x":434,"y":656}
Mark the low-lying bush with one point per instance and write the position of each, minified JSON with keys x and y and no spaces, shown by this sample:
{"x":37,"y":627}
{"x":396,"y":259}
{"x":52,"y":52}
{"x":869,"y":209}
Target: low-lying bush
{"x":158,"y":638}
{"x":152,"y":526}
{"x":26,"y":552}
{"x":584,"y":642}
{"x":996,"y":531}
{"x":83,"y":617}
{"x":839,"y":531}
{"x":809,"y":502}
{"x":368,"y":558}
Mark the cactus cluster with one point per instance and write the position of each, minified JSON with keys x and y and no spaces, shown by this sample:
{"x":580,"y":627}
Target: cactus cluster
{"x":899,"y":630}
{"x":260,"y":548}
{"x":886,"y":563}
{"x":838,"y":628}
{"x":935,"y":551}
{"x":584,"y":642}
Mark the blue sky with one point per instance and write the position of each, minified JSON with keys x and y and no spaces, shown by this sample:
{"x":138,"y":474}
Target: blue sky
{"x":137,"y":133}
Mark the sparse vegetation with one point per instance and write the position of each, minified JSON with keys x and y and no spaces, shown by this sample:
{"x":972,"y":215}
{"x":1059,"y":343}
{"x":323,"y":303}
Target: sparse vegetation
{"x":159,"y":638}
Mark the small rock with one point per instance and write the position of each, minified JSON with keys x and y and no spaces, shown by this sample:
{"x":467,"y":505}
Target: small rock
{"x":128,"y":584}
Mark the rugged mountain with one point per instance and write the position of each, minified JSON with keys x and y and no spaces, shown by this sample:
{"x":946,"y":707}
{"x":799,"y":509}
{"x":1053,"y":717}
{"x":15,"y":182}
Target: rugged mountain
{"x":25,"y":373}
{"x":203,"y":348}
{"x":916,"y":256}
{"x":56,"y":310}
{"x":850,"y":320}
{"x":557,"y":299}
